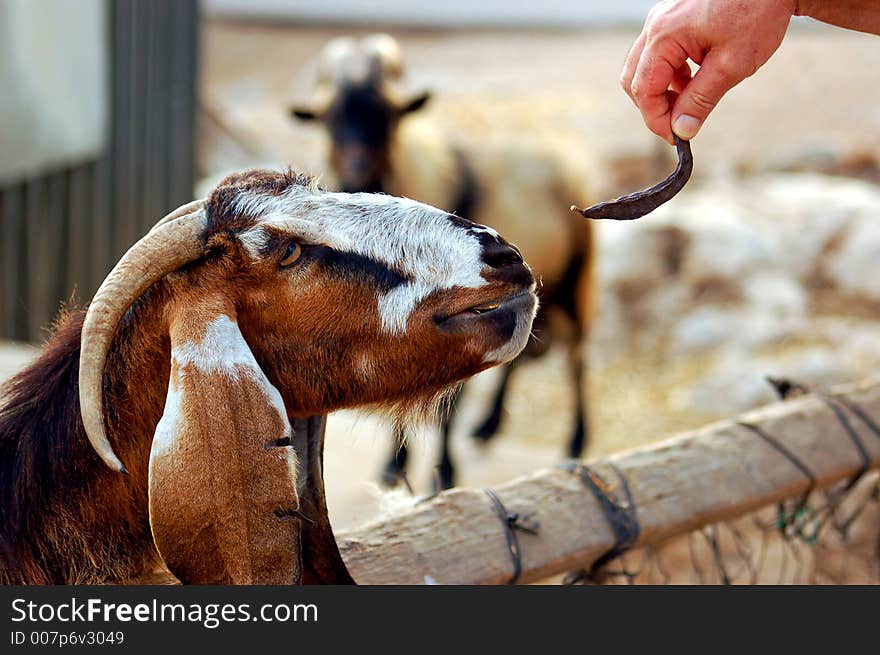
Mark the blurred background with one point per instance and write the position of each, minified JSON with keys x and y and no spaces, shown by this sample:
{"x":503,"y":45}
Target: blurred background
{"x":115,"y":112}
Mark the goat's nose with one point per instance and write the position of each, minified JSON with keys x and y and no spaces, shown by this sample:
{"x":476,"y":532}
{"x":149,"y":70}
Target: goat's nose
{"x":499,"y":254}
{"x":506,"y":263}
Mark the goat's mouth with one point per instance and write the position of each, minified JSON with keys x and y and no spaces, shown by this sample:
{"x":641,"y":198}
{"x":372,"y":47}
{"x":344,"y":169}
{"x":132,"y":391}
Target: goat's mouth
{"x":482,"y":309}
{"x":523,"y":300}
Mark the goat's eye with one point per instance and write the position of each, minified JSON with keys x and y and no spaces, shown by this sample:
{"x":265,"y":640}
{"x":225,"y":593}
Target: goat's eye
{"x":291,"y":255}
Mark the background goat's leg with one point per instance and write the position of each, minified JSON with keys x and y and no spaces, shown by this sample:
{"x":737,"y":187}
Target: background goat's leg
{"x":396,"y":467}
{"x":489,"y":427}
{"x":579,"y":371}
{"x":445,"y":468}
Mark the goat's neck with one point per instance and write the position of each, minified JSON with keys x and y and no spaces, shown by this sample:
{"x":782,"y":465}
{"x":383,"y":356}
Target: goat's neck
{"x":136,"y":385}
{"x":421,"y":165}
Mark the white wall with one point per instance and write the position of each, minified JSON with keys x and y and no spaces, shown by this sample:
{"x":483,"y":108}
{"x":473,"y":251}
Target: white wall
{"x":53,"y":87}
{"x":523,"y":13}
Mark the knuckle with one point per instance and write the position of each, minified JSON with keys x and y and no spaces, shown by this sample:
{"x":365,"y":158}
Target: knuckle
{"x":702,"y":100}
{"x":659,"y":25}
{"x":635,"y":89}
{"x":731,"y":67}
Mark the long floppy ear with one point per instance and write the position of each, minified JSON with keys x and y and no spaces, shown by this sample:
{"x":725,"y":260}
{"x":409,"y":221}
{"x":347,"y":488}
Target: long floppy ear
{"x":222,"y":481}
{"x":415,"y":103}
{"x":303,"y":113}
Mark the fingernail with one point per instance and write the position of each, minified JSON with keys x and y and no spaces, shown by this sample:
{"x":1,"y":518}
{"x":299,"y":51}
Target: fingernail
{"x":686,"y":126}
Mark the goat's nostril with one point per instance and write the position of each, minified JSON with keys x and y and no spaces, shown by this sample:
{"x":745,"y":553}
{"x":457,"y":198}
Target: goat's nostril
{"x":499,"y":255}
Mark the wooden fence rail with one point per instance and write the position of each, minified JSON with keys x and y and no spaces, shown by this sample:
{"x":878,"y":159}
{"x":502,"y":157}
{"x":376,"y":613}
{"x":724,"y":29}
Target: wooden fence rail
{"x":720,"y":472}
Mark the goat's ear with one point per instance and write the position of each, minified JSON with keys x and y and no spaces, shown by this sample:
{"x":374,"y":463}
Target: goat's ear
{"x":416,"y":102}
{"x":222,"y":479}
{"x":303,"y":113}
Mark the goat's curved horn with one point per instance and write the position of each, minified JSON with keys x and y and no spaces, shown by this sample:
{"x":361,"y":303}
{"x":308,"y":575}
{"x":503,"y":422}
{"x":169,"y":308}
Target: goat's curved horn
{"x":332,"y":58}
{"x":385,"y":56}
{"x":167,"y":247}
{"x":183,"y":210}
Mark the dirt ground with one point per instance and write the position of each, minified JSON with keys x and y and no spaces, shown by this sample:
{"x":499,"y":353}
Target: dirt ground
{"x":820,"y":91}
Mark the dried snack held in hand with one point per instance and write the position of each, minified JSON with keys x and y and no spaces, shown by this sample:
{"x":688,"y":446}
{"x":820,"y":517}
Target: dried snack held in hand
{"x":636,"y":205}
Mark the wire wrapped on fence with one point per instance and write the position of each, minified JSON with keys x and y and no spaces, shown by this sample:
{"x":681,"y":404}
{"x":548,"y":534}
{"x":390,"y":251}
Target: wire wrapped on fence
{"x":792,"y":523}
{"x":621,"y":517}
{"x":804,"y":554}
{"x":512,"y":522}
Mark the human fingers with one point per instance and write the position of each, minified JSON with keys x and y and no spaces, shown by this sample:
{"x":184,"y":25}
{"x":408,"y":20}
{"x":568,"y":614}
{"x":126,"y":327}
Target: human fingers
{"x":703,"y":93}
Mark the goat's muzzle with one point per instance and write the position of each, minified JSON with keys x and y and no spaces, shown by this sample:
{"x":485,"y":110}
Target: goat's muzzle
{"x":501,"y":311}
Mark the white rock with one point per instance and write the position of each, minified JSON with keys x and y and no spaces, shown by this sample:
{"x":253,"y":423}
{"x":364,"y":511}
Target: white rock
{"x":731,"y":265}
{"x":734,"y":385}
{"x":775,"y":294}
{"x":703,"y":329}
{"x":855,"y":266}
{"x":757,"y":331}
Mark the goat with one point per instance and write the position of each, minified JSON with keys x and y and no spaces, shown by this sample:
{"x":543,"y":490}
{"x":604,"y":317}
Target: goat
{"x":270,"y":300}
{"x":526,"y":192}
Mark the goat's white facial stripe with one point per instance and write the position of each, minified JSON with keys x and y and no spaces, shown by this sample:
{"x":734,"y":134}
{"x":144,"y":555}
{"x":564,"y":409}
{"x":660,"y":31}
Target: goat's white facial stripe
{"x":414,"y":239}
{"x":395,"y":305}
{"x":253,"y":241}
{"x":486,"y":230}
{"x":223,"y":351}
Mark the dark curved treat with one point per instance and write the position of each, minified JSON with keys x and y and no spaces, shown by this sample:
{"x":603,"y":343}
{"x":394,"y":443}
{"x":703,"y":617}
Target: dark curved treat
{"x":636,"y":205}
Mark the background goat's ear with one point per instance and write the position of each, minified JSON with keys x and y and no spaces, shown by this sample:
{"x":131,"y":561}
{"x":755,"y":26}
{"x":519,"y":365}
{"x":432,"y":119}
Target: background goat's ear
{"x":222,"y":479}
{"x":416,"y":102}
{"x":303,"y":114}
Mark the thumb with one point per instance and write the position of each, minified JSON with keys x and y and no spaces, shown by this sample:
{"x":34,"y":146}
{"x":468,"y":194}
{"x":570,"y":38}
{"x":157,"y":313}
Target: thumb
{"x":701,"y":95}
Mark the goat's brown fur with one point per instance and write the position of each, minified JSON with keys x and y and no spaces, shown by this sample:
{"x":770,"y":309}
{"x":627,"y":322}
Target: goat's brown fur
{"x":67,"y":517}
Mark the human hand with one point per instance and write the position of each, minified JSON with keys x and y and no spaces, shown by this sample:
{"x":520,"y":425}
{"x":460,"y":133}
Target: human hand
{"x":728,"y":39}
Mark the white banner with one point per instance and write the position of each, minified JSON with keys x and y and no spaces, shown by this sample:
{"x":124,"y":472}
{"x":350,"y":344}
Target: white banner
{"x":490,"y":13}
{"x":53,"y":84}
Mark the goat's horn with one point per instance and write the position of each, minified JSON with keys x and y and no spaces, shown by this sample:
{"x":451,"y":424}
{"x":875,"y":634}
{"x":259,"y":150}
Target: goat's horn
{"x":164,"y":249}
{"x":332,"y":57}
{"x":183,"y":210}
{"x":385,"y":55}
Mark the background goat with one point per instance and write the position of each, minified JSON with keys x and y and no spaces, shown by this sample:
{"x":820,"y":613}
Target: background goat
{"x":269,"y":301}
{"x":524,"y":192}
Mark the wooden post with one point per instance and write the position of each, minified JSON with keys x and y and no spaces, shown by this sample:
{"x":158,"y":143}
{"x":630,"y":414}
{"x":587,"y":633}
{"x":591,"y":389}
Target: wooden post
{"x":718,"y":472}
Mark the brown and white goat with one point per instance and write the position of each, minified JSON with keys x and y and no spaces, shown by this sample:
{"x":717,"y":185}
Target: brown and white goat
{"x":522,"y":191}
{"x":271,"y":300}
